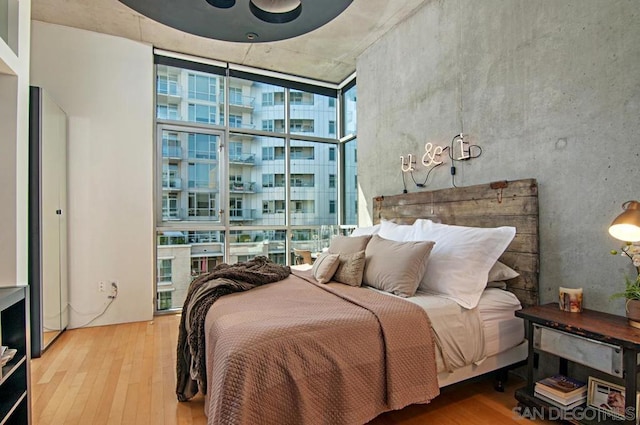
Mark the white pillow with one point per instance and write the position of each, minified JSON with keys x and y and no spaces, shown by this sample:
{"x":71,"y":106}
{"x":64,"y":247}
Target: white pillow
{"x":501,"y":271}
{"x":459,"y":263}
{"x":396,"y":232}
{"x":363,"y":231}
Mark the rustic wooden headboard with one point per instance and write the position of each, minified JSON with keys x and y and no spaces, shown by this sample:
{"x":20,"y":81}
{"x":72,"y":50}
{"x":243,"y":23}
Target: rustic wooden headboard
{"x":502,"y":203}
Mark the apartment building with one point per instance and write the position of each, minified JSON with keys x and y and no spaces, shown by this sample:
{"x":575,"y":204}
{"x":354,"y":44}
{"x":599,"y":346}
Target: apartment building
{"x":249,"y":169}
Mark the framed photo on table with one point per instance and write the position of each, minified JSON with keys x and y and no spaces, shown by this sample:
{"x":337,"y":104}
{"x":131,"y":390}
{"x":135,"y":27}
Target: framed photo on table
{"x":608,"y":397}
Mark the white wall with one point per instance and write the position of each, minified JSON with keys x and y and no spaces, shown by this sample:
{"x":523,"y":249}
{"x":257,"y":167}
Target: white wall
{"x":14,"y":146}
{"x":105,"y":85}
{"x":548,"y":88}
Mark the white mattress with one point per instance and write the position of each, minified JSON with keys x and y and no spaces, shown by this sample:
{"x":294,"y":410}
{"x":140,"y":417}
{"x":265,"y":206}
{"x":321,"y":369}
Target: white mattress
{"x":502,"y":330}
{"x":470,"y":336}
{"x":459,"y":332}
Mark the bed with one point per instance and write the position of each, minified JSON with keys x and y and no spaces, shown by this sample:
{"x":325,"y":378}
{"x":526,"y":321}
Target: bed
{"x":316,"y":348}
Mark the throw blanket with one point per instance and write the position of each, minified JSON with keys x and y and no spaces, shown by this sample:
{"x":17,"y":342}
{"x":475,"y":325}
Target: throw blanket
{"x":203,"y":292}
{"x":300,"y":352}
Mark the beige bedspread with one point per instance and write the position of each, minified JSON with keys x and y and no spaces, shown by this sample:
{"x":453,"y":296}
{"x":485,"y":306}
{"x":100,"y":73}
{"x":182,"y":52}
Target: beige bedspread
{"x":297,"y":352}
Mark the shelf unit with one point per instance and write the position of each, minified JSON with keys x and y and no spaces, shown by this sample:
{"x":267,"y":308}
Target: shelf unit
{"x":14,"y":380}
{"x":600,"y":341}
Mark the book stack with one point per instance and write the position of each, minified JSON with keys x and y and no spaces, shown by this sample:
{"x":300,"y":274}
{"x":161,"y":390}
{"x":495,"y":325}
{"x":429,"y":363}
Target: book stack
{"x":561,"y":391}
{"x":6,"y":354}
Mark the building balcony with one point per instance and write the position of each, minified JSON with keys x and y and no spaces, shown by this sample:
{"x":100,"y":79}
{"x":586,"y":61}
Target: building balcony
{"x":172,"y":116}
{"x":244,"y":187}
{"x":196,"y":214}
{"x":167,"y":89}
{"x":172,"y":152}
{"x":203,"y":154}
{"x":172,"y":184}
{"x":237,"y":102}
{"x":210,"y":186}
{"x":239,"y":124}
{"x":165,"y":284}
{"x":172,"y":214}
{"x":243,"y":159}
{"x":205,"y":250}
{"x":303,"y":184}
{"x":302,"y":156}
{"x":242,"y":214}
{"x":170,"y":95}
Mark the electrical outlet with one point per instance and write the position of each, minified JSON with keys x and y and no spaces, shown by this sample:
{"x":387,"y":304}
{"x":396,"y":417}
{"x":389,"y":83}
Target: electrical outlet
{"x":101,"y":287}
{"x":114,"y":289}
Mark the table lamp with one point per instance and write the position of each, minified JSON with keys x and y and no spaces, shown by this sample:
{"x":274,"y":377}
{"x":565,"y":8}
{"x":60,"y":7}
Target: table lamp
{"x":626,"y":226}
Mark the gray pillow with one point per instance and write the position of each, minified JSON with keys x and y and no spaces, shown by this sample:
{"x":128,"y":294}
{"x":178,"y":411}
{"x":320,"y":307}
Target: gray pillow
{"x":396,"y":267}
{"x":325,"y":266}
{"x":497,"y":284}
{"x":350,"y":269}
{"x":501,"y":271}
{"x":348,"y":244}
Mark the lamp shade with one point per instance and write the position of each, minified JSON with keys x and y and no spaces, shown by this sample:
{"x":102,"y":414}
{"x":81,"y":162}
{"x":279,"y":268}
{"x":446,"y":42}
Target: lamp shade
{"x":626,"y":226}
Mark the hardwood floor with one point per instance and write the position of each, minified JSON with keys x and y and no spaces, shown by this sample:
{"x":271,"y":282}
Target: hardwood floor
{"x":125,"y":374}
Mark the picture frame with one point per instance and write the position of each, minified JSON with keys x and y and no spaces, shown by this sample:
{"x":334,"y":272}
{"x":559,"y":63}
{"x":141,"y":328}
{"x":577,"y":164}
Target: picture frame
{"x":609,"y":398}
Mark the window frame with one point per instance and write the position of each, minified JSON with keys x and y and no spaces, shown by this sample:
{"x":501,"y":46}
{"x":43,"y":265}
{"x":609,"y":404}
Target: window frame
{"x":222,"y":125}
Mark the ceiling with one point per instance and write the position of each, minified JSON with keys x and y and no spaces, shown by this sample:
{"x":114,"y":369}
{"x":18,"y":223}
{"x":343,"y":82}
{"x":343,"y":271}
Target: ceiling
{"x":328,"y":53}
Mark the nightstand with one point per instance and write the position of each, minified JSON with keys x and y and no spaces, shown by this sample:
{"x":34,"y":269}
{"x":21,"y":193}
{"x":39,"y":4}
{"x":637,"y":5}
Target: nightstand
{"x":600,"y":341}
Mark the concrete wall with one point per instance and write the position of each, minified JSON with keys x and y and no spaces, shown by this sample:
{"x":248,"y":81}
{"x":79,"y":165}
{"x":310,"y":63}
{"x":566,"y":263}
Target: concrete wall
{"x":548,"y":88}
{"x":105,"y":85}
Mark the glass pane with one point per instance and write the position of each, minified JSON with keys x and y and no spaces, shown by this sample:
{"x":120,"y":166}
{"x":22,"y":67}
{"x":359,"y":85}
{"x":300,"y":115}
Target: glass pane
{"x":187,"y":95}
{"x":181,"y":257}
{"x":351,"y":182}
{"x":256,"y":180}
{"x":313,"y":169}
{"x":247,"y":244}
{"x":256,"y":105}
{"x":9,"y":23}
{"x":350,"y":111}
{"x":312,"y":114}
{"x":304,"y":240}
{"x":190,"y":176}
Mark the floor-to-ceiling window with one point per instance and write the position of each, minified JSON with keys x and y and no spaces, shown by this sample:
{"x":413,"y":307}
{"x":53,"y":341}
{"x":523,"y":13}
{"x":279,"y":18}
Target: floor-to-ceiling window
{"x":350,"y":157}
{"x":248,"y":165}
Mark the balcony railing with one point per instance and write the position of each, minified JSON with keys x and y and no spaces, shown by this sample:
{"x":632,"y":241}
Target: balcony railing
{"x":242,"y":187}
{"x":203,"y":184}
{"x":203,"y":154}
{"x":238,"y":100}
{"x":303,"y":184}
{"x":172,"y":152}
{"x":240,"y":124}
{"x":243,"y":158}
{"x":300,"y":155}
{"x":242,"y":214}
{"x":171,"y":214}
{"x":169,"y":116}
{"x":169,"y":89}
{"x":171,"y":183}
{"x":202,"y":214}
